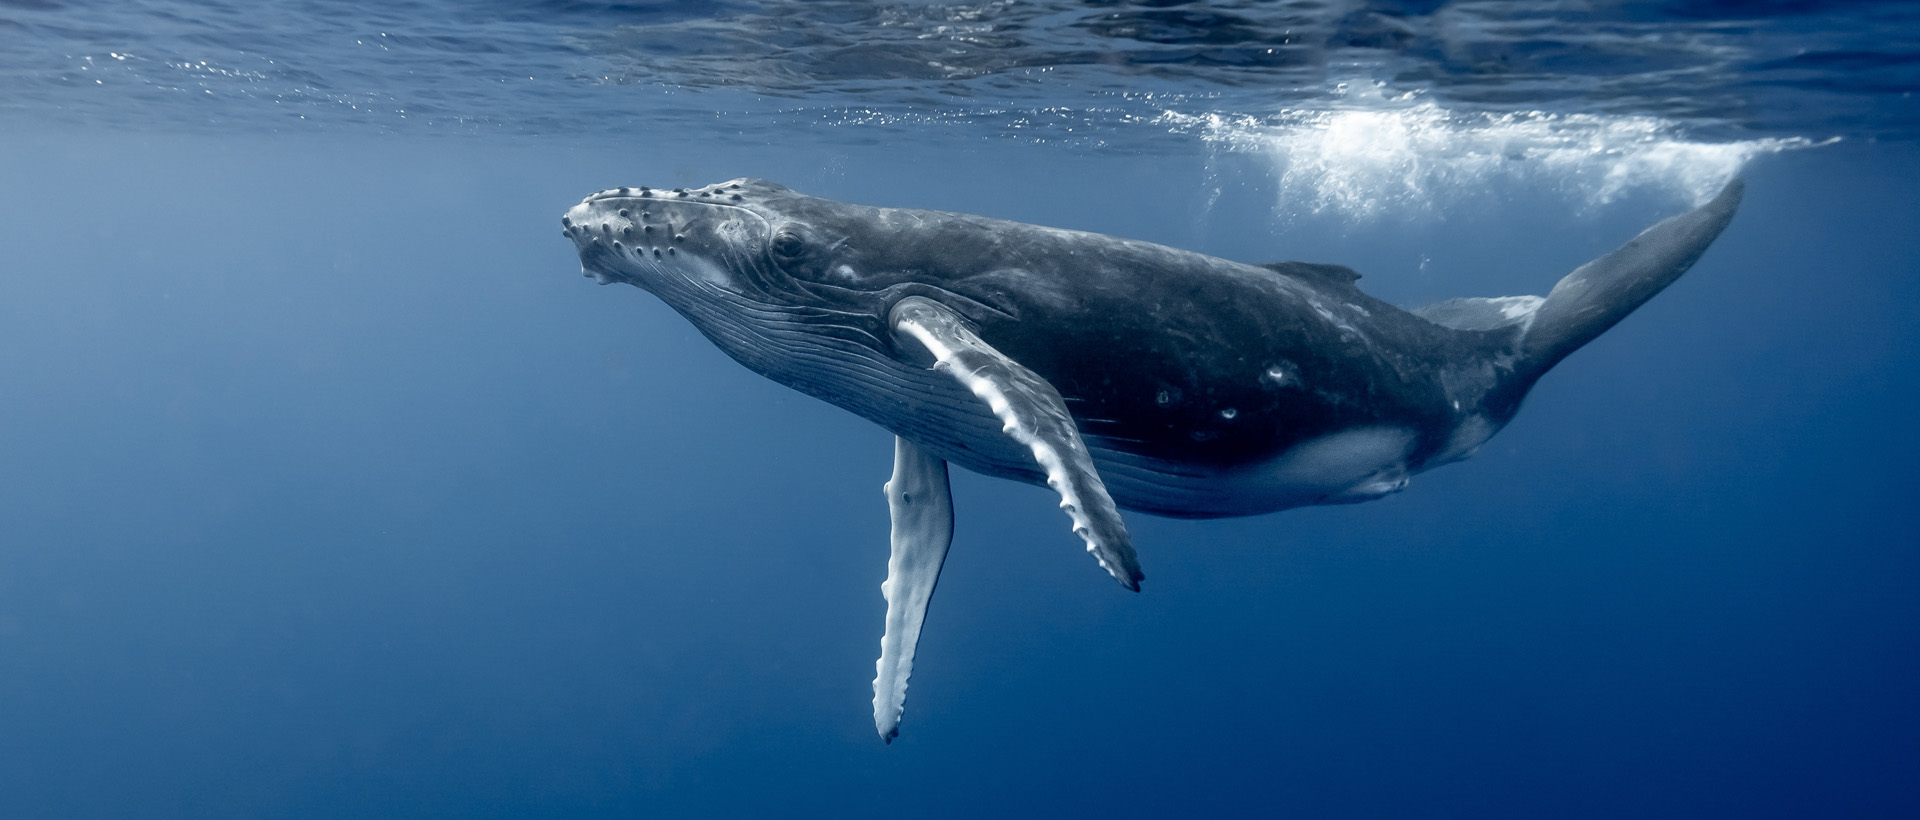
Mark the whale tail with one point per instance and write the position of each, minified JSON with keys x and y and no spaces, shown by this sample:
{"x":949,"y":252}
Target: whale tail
{"x":1537,"y":332}
{"x":1598,"y":294}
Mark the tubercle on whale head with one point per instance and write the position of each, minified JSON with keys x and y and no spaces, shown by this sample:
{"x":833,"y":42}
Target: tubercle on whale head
{"x":650,"y":236}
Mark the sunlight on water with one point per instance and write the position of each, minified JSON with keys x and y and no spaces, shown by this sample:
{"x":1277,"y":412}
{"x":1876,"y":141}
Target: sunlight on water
{"x":1404,"y":154}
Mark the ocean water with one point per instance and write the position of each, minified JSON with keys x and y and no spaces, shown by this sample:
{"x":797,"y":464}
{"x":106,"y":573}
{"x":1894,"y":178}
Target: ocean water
{"x":328,"y":488}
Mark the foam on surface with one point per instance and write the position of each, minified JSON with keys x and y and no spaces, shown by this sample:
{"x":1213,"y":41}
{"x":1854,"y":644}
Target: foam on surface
{"x":1402,"y":152}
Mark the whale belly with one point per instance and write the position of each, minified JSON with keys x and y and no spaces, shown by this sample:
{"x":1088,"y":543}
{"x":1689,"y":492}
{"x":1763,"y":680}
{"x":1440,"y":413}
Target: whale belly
{"x":1352,"y":465}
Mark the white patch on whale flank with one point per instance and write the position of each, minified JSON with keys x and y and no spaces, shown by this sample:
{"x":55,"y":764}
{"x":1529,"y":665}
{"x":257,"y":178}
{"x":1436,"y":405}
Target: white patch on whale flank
{"x":1466,"y":439}
{"x":1362,"y":461}
{"x":1518,"y":308}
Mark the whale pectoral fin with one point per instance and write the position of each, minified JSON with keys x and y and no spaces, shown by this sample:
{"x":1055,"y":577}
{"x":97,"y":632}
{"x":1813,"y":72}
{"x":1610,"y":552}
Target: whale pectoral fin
{"x":922,"y":509}
{"x":1033,"y":413}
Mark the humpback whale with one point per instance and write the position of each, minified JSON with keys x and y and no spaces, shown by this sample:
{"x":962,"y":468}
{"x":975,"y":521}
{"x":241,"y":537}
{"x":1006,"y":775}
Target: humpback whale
{"x":1119,"y":373}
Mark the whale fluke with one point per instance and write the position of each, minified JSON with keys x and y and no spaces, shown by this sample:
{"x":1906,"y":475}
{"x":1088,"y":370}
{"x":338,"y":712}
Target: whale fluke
{"x":1600,"y":293}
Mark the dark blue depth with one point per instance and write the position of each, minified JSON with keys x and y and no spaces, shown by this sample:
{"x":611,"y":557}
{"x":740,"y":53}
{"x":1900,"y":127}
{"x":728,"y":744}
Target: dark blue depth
{"x":330,"y":489}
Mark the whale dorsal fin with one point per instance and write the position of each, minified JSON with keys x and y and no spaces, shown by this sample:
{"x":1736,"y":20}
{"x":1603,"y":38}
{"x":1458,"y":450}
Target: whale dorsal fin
{"x":1337,"y":274}
{"x":1031,"y":412}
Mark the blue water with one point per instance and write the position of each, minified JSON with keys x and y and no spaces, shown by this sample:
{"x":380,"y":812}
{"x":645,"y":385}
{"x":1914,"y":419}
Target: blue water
{"x":329,"y":489}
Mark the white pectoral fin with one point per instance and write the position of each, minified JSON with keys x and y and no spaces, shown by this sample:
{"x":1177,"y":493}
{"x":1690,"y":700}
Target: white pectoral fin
{"x":922,"y":509}
{"x":1031,"y":412}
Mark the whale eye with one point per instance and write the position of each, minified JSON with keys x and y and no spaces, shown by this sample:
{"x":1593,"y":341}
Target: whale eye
{"x":787,"y":245}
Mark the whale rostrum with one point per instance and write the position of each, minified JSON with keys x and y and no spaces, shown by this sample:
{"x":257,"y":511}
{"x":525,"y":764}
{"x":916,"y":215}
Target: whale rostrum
{"x":1118,"y":373}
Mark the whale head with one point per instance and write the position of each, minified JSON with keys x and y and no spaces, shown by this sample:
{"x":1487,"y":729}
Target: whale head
{"x":730,"y":240}
{"x":743,"y":260}
{"x":795,"y":287}
{"x":776,"y":278}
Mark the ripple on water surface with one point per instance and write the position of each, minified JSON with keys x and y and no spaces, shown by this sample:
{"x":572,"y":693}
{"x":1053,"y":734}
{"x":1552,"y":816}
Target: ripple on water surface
{"x":1356,"y":106}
